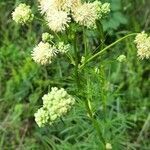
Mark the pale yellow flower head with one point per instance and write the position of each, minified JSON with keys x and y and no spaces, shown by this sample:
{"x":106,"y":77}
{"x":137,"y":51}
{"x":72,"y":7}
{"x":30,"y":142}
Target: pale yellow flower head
{"x":55,"y":105}
{"x":22,"y":14}
{"x":142,"y":41}
{"x":57,"y":21}
{"x":56,"y":13}
{"x":43,"y":53}
{"x":140,"y":38}
{"x":70,"y":5}
{"x":86,"y":15}
{"x":47,"y":5}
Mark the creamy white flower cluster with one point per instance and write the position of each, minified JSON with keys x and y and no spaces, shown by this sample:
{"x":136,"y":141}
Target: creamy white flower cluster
{"x":58,"y":13}
{"x":55,"y":105}
{"x":87,"y":13}
{"x":142,"y":41}
{"x":22,"y":14}
{"x":45,"y":52}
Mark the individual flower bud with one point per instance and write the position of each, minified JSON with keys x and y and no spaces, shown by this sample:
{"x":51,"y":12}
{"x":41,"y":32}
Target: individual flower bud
{"x":46,"y":37}
{"x":105,"y":8}
{"x":108,"y":146}
{"x":98,"y":9}
{"x":97,"y":71}
{"x":121,"y":58}
{"x":22,"y":14}
{"x":82,"y":60}
{"x":63,"y":48}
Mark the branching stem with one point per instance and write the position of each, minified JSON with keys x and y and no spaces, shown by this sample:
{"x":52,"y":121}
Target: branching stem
{"x":106,"y":48}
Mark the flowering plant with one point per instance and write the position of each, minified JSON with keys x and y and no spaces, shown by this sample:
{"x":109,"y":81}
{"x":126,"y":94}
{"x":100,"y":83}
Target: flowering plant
{"x":63,"y":17}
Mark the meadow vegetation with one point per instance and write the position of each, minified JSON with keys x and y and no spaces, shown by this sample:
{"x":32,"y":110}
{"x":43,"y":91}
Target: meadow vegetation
{"x":107,"y":96}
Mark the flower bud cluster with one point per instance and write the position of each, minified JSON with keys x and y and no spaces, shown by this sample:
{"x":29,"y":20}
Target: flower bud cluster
{"x":22,"y":14}
{"x":62,"y":48}
{"x":45,"y":52}
{"x":55,"y":105}
{"x":46,"y":37}
{"x":142,"y":41}
{"x":121,"y":58}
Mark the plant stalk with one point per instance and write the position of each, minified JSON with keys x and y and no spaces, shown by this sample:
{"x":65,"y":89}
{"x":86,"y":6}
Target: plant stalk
{"x":106,"y":48}
{"x":94,"y":121}
{"x":76,"y":63}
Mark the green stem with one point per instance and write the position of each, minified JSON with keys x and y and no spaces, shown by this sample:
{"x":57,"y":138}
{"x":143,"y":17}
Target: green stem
{"x":106,"y":48}
{"x":72,"y":61}
{"x":91,"y":114}
{"x":94,"y":121}
{"x":57,"y":36}
{"x":101,"y":34}
{"x":85,"y":42}
{"x":103,"y":90}
{"x":39,"y":19}
{"x":76,"y":62}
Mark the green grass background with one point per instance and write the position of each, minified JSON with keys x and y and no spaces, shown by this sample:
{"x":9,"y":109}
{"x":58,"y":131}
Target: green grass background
{"x":125,"y":86}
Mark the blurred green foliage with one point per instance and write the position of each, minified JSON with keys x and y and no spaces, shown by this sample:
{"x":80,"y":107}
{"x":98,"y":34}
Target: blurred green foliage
{"x":116,"y":17}
{"x":126,"y":86}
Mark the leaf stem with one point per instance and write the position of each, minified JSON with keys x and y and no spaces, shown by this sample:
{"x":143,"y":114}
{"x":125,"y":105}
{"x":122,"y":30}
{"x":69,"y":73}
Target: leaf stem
{"x":85,"y":42}
{"x":106,"y":48}
{"x":92,"y":116}
{"x":94,"y":121}
{"x":76,"y":62}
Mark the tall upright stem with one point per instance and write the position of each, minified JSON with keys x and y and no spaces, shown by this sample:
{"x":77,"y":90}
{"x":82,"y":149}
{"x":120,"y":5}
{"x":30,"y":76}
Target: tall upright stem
{"x":101,"y":34}
{"x":92,"y":116}
{"x":94,"y":121}
{"x":101,"y":72}
{"x":85,"y":42}
{"x":76,"y":62}
{"x":103,"y":90}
